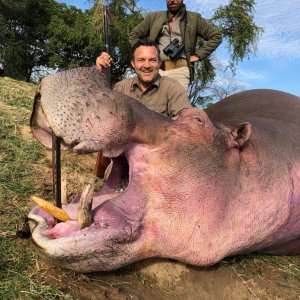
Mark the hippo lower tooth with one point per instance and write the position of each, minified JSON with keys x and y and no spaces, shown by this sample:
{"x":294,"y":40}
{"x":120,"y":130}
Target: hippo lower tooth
{"x":84,"y":213}
{"x":51,"y":209}
{"x":108,"y":171}
{"x":64,"y":198}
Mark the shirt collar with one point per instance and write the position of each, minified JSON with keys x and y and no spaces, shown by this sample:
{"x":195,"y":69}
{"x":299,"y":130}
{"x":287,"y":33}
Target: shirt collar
{"x":135,"y":83}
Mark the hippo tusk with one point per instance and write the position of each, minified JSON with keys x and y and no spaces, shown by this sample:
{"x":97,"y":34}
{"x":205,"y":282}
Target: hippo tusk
{"x":64,"y":199}
{"x":51,"y":209}
{"x":108,"y":170}
{"x":84,"y":212}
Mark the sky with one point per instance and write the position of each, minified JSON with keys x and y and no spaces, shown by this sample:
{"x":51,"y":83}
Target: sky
{"x":276,"y":63}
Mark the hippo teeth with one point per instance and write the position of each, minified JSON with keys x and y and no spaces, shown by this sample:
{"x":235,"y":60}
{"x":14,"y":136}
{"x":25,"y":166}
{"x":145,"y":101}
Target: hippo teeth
{"x":84,"y":212}
{"x":51,"y":209}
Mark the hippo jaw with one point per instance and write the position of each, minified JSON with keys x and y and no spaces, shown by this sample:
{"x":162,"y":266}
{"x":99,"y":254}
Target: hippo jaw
{"x":110,"y":241}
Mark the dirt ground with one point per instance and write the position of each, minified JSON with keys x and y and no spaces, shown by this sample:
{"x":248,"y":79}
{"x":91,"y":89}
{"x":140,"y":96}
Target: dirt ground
{"x":165,"y":279}
{"x":235,"y":278}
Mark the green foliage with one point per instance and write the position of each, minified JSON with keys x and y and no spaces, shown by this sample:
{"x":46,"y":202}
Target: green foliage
{"x":14,"y":57}
{"x":23,"y":27}
{"x":42,"y":34}
{"x":236,"y":23}
{"x":72,"y":39}
{"x":204,"y":73}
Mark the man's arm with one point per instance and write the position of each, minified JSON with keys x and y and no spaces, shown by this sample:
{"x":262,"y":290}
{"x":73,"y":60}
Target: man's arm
{"x":142,"y":30}
{"x":210,"y":34}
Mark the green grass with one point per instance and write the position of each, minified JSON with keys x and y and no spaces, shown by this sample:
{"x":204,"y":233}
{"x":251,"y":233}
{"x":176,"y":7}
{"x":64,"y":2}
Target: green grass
{"x":17,"y":152}
{"x":15,"y":282}
{"x":281,"y":270}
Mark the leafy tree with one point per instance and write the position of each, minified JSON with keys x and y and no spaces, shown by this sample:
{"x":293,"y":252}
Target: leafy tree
{"x":73,"y":41}
{"x":42,"y":34}
{"x":23,"y":27}
{"x":236,"y":22}
{"x":241,"y":34}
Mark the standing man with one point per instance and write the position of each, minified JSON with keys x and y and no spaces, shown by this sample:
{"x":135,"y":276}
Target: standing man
{"x":178,"y":24}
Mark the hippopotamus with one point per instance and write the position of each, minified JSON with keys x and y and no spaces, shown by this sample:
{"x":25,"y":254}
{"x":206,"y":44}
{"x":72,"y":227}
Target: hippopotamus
{"x":196,"y":189}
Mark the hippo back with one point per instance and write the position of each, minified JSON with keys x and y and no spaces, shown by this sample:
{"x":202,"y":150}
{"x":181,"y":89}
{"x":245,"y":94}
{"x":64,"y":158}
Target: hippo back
{"x":260,"y":103}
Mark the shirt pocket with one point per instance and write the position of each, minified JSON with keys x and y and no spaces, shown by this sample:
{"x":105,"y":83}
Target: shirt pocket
{"x":160,"y":108}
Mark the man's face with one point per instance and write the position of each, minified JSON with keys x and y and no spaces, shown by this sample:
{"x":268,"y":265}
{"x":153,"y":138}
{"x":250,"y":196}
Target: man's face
{"x":174,"y":6}
{"x":146,"y":64}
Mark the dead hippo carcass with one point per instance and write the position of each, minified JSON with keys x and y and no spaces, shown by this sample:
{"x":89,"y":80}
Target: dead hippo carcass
{"x":197,"y":189}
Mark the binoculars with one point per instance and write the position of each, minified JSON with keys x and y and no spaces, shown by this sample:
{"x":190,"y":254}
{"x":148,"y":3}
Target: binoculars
{"x":174,"y":49}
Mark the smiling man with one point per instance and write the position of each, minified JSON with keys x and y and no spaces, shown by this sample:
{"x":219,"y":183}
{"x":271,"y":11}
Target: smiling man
{"x":161,"y":94}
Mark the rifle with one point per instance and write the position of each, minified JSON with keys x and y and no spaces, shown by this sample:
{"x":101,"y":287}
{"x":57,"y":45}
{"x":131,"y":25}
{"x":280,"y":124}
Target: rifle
{"x":56,"y":166}
{"x":101,"y":161}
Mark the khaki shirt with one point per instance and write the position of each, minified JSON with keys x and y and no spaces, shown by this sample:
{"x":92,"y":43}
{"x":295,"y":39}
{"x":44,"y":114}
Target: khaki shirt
{"x":165,"y":95}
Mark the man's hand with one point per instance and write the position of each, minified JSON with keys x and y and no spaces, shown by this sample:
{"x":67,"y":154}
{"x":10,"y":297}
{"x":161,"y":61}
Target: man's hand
{"x":194,"y":58}
{"x":103,"y":61}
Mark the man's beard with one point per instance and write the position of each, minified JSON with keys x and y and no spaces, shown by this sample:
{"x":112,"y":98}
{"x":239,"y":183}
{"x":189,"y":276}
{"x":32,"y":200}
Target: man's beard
{"x":174,"y":10}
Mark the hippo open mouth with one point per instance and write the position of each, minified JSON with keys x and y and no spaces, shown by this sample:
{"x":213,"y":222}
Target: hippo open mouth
{"x":116,"y":184}
{"x":188,"y":189}
{"x":116,"y":212}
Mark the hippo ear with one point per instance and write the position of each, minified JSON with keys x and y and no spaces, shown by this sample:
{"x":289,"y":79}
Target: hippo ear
{"x":240,"y":134}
